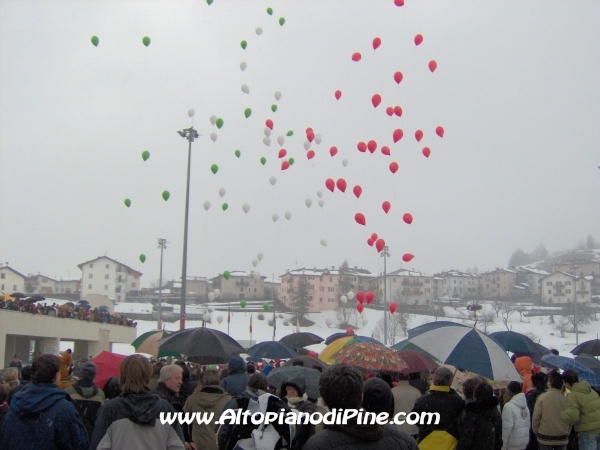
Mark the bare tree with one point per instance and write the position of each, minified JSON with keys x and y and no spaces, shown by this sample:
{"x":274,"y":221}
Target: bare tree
{"x":508,"y":309}
{"x":582,"y":317}
{"x":534,"y":337}
{"x":486,"y":319}
{"x":346,"y":315}
{"x":497,"y":307}
{"x":521,"y":310}
{"x":562,"y":325}
{"x":397,"y":326}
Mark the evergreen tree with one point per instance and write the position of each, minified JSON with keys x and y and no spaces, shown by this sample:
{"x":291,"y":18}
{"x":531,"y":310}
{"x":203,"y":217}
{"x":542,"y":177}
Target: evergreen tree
{"x":302,"y":297}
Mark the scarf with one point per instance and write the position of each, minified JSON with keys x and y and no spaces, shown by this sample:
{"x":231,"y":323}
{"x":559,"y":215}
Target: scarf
{"x":293,"y":401}
{"x":440,"y":388}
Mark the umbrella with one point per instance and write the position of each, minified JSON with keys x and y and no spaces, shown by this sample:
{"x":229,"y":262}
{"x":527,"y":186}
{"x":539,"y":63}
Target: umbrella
{"x":147,"y":343}
{"x":515,"y":342}
{"x":108,"y":365}
{"x":590,"y":362}
{"x":83,"y":302}
{"x":336,"y":336}
{"x":432,"y":326}
{"x":335,"y":346}
{"x":284,"y":374}
{"x":36,"y":298}
{"x":103,"y":308}
{"x":417,"y":362}
{"x":564,"y":363}
{"x":297,"y":340}
{"x":588,"y":347}
{"x":307,"y":361}
{"x":202,"y":345}
{"x":407,"y":345}
{"x":17,"y":295}
{"x":272,"y":350}
{"x":370,"y":356}
{"x":468,"y":349}
{"x":84,"y":306}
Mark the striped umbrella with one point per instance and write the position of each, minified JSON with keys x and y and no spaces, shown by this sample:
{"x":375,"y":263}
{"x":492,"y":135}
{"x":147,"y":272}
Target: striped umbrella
{"x":337,"y":345}
{"x":147,"y":343}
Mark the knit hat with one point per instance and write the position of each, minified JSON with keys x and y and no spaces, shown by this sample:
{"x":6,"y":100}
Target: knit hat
{"x":377,"y":396}
{"x":250,"y":369}
{"x":514,"y":387}
{"x":87,"y":371}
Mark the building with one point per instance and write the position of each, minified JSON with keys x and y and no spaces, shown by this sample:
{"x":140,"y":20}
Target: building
{"x":272,"y":289}
{"x":530,"y":279}
{"x":498,"y":283}
{"x":197,"y":288}
{"x":108,"y":277}
{"x":457,"y":284}
{"x":240,"y":285}
{"x":67,"y":286}
{"x":564,"y":288}
{"x":11,"y":280}
{"x":403,"y":287}
{"x":582,"y":264}
{"x":44,"y":285}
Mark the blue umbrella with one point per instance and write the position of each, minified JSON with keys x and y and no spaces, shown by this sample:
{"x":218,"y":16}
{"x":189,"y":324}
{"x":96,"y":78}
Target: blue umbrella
{"x":272,"y":350}
{"x":103,"y":308}
{"x":432,"y":326}
{"x":564,"y":363}
{"x":336,"y":336}
{"x":516,"y":342}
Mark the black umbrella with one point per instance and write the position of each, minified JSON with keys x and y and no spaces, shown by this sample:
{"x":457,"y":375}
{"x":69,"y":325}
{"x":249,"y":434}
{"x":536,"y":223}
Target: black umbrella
{"x":17,"y":295}
{"x":298,"y":340}
{"x":588,"y":347}
{"x":515,"y":342}
{"x":307,"y":361}
{"x":590,"y":362}
{"x":285,"y":374}
{"x":272,"y":350}
{"x":202,"y":345}
{"x":36,"y":298}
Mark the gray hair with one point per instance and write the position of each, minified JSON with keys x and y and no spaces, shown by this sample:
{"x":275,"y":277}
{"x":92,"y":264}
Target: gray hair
{"x":166,"y":372}
{"x":442,"y":377}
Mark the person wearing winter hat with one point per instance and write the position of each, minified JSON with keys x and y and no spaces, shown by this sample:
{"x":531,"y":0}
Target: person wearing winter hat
{"x":250,"y":369}
{"x":524,"y":366}
{"x":87,"y":397}
{"x":293,"y":392}
{"x":236,"y":380}
{"x":481,"y":426}
{"x":378,"y":397}
{"x":515,"y":418}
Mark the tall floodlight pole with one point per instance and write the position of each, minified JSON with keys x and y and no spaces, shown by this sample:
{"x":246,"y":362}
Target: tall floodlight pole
{"x":190,"y":134}
{"x":575,"y":298}
{"x":273,"y":303}
{"x":385,"y":255}
{"x":162,"y":244}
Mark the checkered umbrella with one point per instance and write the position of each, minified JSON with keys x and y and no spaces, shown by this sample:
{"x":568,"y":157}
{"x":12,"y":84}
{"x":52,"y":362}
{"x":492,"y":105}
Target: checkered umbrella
{"x":564,"y":363}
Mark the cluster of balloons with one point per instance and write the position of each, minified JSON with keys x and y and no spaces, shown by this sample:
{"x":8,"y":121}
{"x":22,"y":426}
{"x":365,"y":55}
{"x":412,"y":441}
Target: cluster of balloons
{"x":214,"y":294}
{"x":95,"y":41}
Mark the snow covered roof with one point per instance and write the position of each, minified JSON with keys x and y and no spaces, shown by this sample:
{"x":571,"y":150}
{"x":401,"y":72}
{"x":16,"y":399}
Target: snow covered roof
{"x":314,"y":272}
{"x":139,"y":308}
{"x":532,"y":271}
{"x":403,"y":273}
{"x":458,"y":273}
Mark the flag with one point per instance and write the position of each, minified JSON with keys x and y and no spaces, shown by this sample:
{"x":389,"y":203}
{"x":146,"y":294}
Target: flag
{"x":182,"y":325}
{"x":251,"y":323}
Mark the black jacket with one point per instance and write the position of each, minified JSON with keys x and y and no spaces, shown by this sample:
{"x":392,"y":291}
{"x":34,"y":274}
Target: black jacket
{"x":447,"y":403}
{"x":481,"y":427}
{"x":531,"y":398}
{"x":361,"y":437}
{"x":174,"y":400}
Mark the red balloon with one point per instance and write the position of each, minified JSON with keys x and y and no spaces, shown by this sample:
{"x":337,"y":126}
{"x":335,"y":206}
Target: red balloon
{"x":393,"y":307}
{"x":372,"y":146}
{"x":376,"y":100}
{"x":370,"y":242}
{"x":397,"y":135}
{"x":360,"y":219}
{"x":360,"y":296}
{"x":349,"y":331}
{"x":440,"y":131}
{"x":285,"y":165}
{"x":389,"y":111}
{"x":333,"y":151}
{"x":312,"y":354}
{"x":432,"y":65}
{"x":385,"y":150}
{"x":309,"y":130}
{"x":310,"y":154}
{"x":399,"y":3}
{"x":360,"y":307}
{"x":418,"y":135}
{"x":310,"y":136}
{"x":374,"y":237}
{"x":426,"y":152}
{"x":370,"y":296}
{"x":330,"y":184}
{"x":408,"y":218}
{"x":269,"y":124}
{"x":282,"y":153}
{"x":394,"y":167}
{"x":398,"y":111}
{"x":386,"y":206}
{"x":341,"y":184}
{"x":356,"y":56}
{"x":376,"y":43}
{"x":362,"y":147}
{"x":398,"y":77}
{"x":338,"y":94}
{"x":407,"y":257}
{"x":379,"y":245}
{"x":357,"y":191}
{"x":418,"y":39}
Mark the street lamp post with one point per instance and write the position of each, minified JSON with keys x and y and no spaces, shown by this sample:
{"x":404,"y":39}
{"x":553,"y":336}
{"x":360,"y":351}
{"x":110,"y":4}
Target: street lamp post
{"x":190,"y":134}
{"x":385,"y":255}
{"x":162,"y":244}
{"x":575,"y":299}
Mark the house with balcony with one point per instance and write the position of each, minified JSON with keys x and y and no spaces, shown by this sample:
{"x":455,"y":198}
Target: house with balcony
{"x":564,"y":288}
{"x":403,"y":286}
{"x":458,"y":285}
{"x":240,"y":285}
{"x":498,"y":283}
{"x":530,"y":279}
{"x":108,"y":277}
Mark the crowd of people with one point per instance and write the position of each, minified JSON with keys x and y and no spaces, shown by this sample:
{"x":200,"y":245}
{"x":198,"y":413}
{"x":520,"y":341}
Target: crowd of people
{"x":55,"y":404}
{"x":67,"y":311}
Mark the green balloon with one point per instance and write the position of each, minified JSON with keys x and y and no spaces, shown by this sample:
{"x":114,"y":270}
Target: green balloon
{"x":247,"y":112}
{"x":263,"y":160}
{"x":244,"y":44}
{"x":266,"y":306}
{"x":270,"y":11}
{"x":95,"y":41}
{"x":219,"y":123}
{"x":127,"y":202}
{"x":243,"y":303}
{"x":226,"y":274}
{"x":209,"y":2}
{"x":281,"y":21}
{"x":273,"y":107}
{"x":145,"y":155}
{"x":165,"y":195}
{"x":238,"y":153}
{"x":291,"y":161}
{"x":214,"y":168}
{"x":146,"y":41}
{"x":290,"y":133}
{"x":225,"y":206}
{"x":143,"y":258}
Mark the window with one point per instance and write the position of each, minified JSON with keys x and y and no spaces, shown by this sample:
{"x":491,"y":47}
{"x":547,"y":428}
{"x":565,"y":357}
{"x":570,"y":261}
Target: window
{"x":393,"y":280}
{"x":322,"y":289}
{"x":321,"y":300}
{"x":567,"y":283}
{"x":427,"y":281}
{"x":3,"y":276}
{"x":14,"y":287}
{"x":254,"y":289}
{"x":549,"y":291}
{"x":427,"y":289}
{"x":89,"y":286}
{"x":330,"y":278}
{"x":91,"y":275}
{"x":548,"y":283}
{"x":118,"y":298}
{"x":567,"y":291}
{"x":108,"y":266}
{"x":133,"y":284}
{"x":241,"y":289}
{"x":106,"y":277}
{"x":91,"y":266}
{"x":330,"y":289}
{"x":106,"y":287}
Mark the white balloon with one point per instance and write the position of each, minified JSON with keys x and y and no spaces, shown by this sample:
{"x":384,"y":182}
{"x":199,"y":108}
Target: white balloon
{"x":255,"y":262}
{"x":243,"y":66}
{"x":245,"y":89}
{"x":350,"y":295}
{"x":308,"y":202}
{"x":260,"y":256}
{"x":277,"y":95}
{"x":256,"y":275}
{"x":191,"y":113}
{"x":267,"y":131}
{"x":246,"y":207}
{"x":324,"y":242}
{"x":344,"y":162}
{"x":213,"y":119}
{"x":273,"y":180}
{"x":213,"y":137}
{"x":206,"y":317}
{"x":206,"y":205}
{"x":318,"y":138}
{"x":267,"y":141}
{"x":306,"y":145}
{"x":217,"y":292}
{"x":365,"y":321}
{"x":344,"y":299}
{"x":219,"y":319}
{"x":321,"y":203}
{"x":280,"y":140}
{"x":320,"y":194}
{"x":259,"y":31}
{"x":275,"y":217}
{"x":328,"y":322}
{"x":222,"y":192}
{"x":211,"y":296}
{"x":288,"y":215}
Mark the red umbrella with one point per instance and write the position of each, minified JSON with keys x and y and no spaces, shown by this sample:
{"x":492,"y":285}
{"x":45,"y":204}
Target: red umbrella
{"x":417,"y":362}
{"x":108,"y":365}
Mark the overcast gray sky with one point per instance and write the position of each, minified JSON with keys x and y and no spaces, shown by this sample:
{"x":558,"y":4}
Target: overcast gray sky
{"x":516,"y":90}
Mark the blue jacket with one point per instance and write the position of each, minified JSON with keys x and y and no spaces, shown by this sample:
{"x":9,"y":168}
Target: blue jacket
{"x":237,"y":380}
{"x":42,"y":417}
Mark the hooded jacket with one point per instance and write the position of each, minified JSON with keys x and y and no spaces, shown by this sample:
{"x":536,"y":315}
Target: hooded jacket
{"x":523,"y":365}
{"x":515,"y":423}
{"x":583,"y":409}
{"x":445,"y":401}
{"x":65,"y":378}
{"x":546,"y":422}
{"x":303,"y":431}
{"x":41,"y":416}
{"x":133,"y":421}
{"x":481,"y":426}
{"x":236,"y":381}
{"x":87,"y":399}
{"x":210,"y":399}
